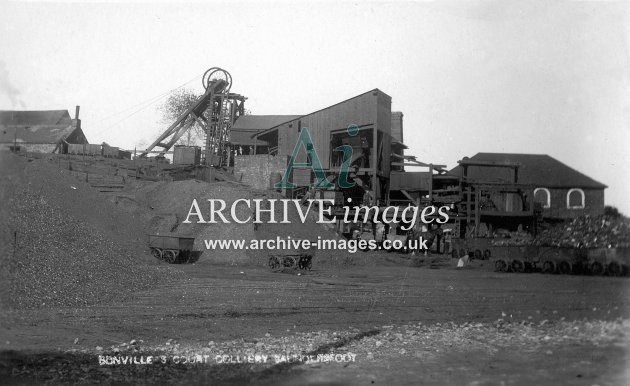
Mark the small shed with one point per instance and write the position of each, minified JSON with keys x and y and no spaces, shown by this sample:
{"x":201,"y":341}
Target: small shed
{"x":45,"y":131}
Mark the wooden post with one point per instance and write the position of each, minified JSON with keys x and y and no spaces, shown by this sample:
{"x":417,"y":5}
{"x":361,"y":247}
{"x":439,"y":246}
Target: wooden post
{"x":431,"y":184}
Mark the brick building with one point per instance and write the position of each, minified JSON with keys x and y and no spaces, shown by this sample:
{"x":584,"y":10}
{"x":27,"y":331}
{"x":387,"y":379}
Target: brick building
{"x":561,"y":191}
{"x":44,"y":131}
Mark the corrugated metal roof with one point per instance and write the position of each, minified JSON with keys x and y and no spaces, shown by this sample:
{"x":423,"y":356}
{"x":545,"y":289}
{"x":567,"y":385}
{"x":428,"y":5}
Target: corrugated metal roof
{"x":35,"y":133}
{"x":261,"y":122}
{"x":31,"y":118}
{"x":248,"y":125}
{"x":244,"y":137}
{"x":540,"y":170}
{"x":317,"y":111}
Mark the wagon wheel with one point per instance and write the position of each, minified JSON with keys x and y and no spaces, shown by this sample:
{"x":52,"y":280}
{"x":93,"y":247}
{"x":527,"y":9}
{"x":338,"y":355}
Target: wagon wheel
{"x":305,"y":262}
{"x":273,"y":263}
{"x":487,"y":254}
{"x":564,"y":267}
{"x":517,"y":266}
{"x":169,"y":256}
{"x":614,"y":269}
{"x":157,"y":253}
{"x":289,"y":262}
{"x":454,"y":254}
{"x":500,"y":266}
{"x":478,"y":255}
{"x":462,"y":252}
{"x":548,"y":267}
{"x":302,"y":262}
{"x":596,"y":268}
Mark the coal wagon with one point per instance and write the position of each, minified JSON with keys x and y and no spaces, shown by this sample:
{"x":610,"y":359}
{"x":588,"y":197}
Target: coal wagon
{"x":173,"y":249}
{"x":546,"y":259}
{"x":290,"y":258}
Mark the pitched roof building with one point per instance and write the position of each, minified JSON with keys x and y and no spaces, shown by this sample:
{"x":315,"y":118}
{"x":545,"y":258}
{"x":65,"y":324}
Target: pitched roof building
{"x":40,"y":131}
{"x":562,"y":191}
{"x":246,"y":126}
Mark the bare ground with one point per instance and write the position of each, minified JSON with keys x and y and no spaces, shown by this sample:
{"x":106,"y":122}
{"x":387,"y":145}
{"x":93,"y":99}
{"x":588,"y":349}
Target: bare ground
{"x":405,"y":325}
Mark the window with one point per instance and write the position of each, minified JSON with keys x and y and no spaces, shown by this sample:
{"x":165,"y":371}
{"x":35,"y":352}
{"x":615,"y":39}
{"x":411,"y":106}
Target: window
{"x":542,"y":196}
{"x":575,"y":199}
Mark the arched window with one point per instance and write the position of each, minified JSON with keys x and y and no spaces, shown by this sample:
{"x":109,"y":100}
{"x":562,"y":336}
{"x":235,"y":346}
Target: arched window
{"x":575,"y":199}
{"x":542,"y":196}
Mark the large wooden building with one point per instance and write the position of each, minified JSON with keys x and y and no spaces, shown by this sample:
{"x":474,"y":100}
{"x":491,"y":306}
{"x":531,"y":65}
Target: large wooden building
{"x":370,"y":112}
{"x":246,"y":126}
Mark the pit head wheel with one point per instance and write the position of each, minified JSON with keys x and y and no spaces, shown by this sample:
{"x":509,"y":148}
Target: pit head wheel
{"x":215,"y":73}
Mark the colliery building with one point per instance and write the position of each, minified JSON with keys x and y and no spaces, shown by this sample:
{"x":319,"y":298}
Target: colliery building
{"x":559,"y":191}
{"x":372,"y":146}
{"x":246,"y":126}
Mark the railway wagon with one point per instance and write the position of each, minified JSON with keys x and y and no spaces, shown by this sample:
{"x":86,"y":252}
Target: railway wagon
{"x":290,"y":258}
{"x":562,"y":260}
{"x":545,"y":259}
{"x":173,"y":249}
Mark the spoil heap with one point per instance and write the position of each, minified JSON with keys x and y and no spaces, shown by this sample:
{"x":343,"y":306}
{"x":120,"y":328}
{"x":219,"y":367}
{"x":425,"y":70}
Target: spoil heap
{"x":68,"y":246}
{"x":165,"y":205}
{"x":602,"y":231}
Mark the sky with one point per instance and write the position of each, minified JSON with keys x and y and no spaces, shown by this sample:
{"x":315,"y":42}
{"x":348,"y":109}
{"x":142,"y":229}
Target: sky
{"x":492,"y":76}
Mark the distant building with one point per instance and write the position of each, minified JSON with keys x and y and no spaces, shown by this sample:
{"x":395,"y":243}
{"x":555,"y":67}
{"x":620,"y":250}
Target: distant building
{"x":561,"y":191}
{"x":44,"y":131}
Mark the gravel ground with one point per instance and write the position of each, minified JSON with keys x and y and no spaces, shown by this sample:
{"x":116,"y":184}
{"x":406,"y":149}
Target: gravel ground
{"x":269,"y":357}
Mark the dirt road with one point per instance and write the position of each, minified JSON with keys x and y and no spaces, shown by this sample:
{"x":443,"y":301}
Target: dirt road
{"x":403,"y":324}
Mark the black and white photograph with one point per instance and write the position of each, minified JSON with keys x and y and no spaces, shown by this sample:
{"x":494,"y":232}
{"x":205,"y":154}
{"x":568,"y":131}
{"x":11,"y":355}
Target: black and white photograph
{"x":315,"y":192}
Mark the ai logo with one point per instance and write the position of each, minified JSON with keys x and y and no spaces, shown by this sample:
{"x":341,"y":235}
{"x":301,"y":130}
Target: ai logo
{"x":313,"y":163}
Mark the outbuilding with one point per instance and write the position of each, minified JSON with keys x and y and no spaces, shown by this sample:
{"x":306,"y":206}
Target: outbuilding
{"x":44,"y":131}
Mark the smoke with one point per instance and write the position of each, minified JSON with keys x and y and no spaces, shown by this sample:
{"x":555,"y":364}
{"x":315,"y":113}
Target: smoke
{"x":9,"y":90}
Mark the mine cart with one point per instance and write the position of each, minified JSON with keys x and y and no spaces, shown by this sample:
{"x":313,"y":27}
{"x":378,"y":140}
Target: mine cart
{"x":172,"y":248}
{"x":290,"y":259}
{"x":561,"y":260}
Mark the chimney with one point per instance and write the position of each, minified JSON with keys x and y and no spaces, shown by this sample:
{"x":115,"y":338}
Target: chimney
{"x":76,"y":122}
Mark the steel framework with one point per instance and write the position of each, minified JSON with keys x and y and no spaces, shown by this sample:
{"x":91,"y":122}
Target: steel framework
{"x":215,"y":112}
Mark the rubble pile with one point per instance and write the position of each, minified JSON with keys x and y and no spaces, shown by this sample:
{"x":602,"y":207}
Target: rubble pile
{"x":512,"y":239}
{"x":70,"y":247}
{"x":602,"y":231}
{"x":165,"y":205}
